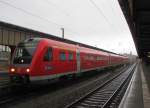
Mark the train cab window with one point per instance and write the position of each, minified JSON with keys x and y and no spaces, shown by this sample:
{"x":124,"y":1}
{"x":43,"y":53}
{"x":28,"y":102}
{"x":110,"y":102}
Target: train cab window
{"x":24,"y":53}
{"x":70,"y":57}
{"x":62,"y":56}
{"x":99,"y":58}
{"x":48,"y":55}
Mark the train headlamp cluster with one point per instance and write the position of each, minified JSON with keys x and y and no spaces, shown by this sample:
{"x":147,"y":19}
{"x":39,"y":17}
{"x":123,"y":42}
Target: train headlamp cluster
{"x":14,"y":70}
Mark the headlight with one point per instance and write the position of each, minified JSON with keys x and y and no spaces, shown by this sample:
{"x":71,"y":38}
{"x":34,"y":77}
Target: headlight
{"x":12,"y":69}
{"x":27,"y":70}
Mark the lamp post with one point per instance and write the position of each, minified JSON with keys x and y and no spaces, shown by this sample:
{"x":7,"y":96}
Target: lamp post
{"x":62,"y":33}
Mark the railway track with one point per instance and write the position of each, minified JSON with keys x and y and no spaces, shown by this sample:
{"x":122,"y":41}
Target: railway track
{"x":29,"y":94}
{"x":106,"y":95}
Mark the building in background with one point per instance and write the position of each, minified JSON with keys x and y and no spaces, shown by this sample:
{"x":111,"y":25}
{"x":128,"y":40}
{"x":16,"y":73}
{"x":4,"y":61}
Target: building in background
{"x":4,"y":57}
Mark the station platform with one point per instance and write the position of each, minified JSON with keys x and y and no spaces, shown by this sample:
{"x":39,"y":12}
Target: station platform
{"x":138,"y":92}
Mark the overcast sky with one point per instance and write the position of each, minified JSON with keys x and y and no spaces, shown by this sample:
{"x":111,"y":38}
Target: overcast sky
{"x":98,"y":23}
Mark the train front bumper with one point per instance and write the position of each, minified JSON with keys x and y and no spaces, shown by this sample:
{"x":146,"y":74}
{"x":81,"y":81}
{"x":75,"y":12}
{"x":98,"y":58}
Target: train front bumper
{"x":19,"y":79}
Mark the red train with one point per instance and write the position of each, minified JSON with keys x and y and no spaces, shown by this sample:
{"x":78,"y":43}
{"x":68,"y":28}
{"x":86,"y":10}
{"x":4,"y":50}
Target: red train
{"x":43,"y":59}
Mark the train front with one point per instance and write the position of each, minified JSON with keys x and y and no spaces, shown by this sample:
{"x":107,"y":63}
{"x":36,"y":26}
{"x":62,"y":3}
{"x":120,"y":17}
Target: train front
{"x":21,"y":63}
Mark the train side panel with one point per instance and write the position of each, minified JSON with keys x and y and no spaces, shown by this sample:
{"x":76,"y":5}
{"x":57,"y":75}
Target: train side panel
{"x":62,"y":61}
{"x":53,"y":59}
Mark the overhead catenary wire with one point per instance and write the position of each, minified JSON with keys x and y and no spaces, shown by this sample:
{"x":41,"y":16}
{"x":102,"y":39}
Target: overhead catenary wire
{"x":101,"y":13}
{"x":112,"y":9}
{"x":37,"y":16}
{"x":60,"y":10}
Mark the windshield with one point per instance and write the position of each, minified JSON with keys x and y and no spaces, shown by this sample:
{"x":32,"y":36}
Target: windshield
{"x":24,"y":54}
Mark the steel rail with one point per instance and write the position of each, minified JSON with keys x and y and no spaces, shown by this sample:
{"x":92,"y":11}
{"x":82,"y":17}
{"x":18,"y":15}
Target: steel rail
{"x":76,"y":102}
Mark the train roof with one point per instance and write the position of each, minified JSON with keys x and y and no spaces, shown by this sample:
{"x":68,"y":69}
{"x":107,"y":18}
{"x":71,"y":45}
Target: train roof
{"x":50,"y":36}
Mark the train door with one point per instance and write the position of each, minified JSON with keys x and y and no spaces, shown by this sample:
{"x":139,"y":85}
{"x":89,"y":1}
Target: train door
{"x":47,"y":61}
{"x":78,"y":60}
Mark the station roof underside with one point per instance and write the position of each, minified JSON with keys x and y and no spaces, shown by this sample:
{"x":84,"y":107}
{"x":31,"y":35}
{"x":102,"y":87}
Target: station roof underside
{"x":142,"y":23}
{"x":137,"y":13}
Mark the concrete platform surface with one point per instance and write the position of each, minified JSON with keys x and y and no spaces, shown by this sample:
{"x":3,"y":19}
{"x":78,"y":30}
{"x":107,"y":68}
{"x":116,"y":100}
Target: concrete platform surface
{"x":145,"y":74}
{"x":138,"y":92}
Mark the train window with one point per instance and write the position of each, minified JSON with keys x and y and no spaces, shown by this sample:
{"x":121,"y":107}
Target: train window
{"x":23,"y":55}
{"x":87,"y":57}
{"x":91,"y":57}
{"x":62,"y":56}
{"x":70,"y":56}
{"x":99,"y":58}
{"x":48,"y":55}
